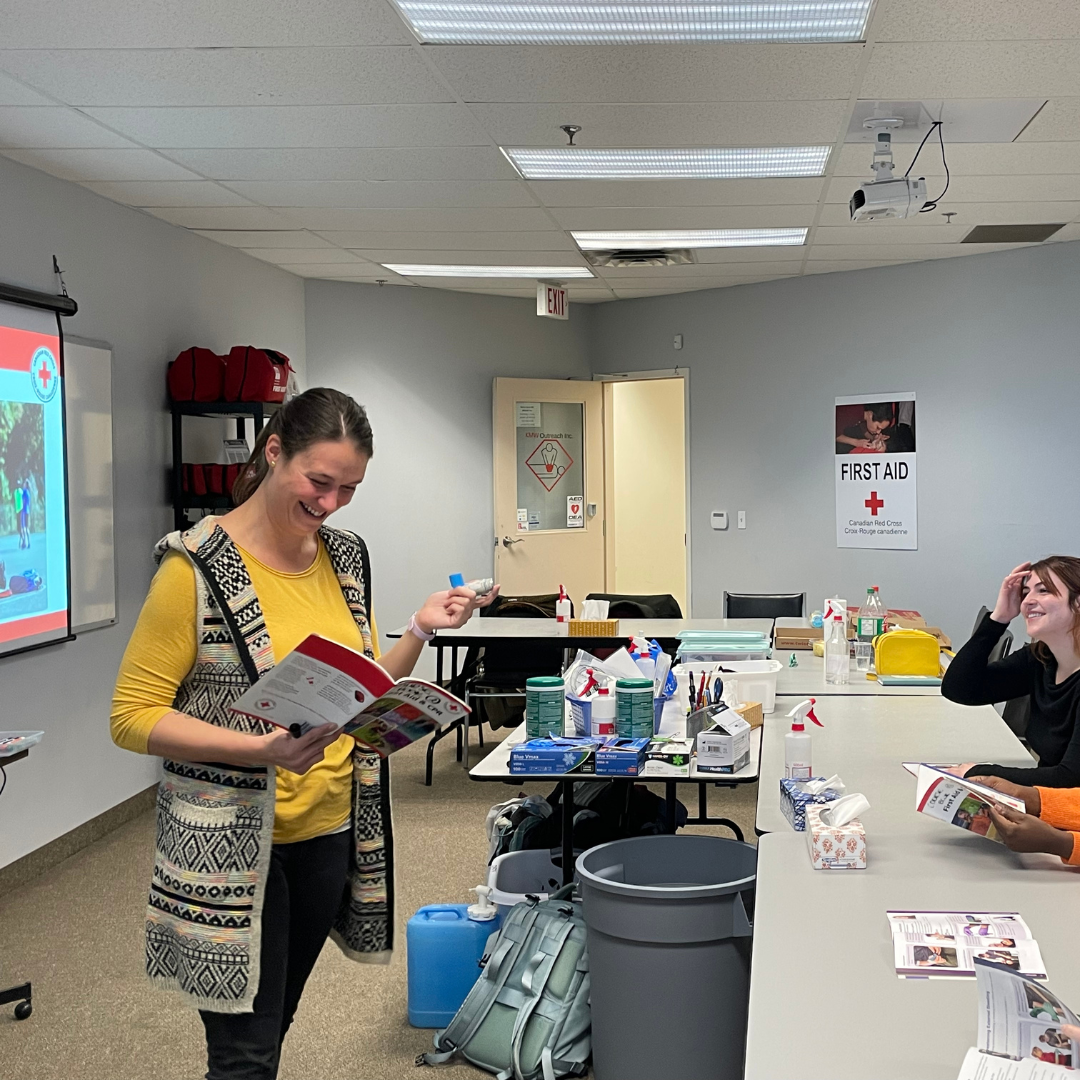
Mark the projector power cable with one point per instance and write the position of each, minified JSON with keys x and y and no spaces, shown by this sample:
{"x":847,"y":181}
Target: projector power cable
{"x":932,"y":204}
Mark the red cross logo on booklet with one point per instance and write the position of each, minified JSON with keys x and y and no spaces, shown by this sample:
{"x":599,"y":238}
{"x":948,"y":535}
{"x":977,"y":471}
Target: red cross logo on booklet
{"x":874,"y":504}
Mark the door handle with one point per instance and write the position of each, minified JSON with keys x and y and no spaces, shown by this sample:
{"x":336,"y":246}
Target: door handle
{"x":507,"y":541}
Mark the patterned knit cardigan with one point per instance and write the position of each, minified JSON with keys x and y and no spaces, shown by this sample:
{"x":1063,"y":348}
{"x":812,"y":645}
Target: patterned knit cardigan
{"x":215,"y":822}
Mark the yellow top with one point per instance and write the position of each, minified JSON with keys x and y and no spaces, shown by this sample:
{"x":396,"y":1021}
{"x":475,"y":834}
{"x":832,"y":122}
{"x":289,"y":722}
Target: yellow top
{"x":162,"y":651}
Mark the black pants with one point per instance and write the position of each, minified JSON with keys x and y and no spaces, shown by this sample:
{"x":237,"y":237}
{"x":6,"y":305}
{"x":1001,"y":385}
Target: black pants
{"x":303,"y":892}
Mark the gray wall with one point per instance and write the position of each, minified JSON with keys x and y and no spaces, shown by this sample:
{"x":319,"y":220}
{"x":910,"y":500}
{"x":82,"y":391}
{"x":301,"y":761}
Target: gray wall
{"x":150,"y":290}
{"x":422,"y":362}
{"x":989,"y":345}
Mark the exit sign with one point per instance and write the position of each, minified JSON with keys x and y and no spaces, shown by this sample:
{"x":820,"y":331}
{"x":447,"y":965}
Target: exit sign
{"x":551,"y":302}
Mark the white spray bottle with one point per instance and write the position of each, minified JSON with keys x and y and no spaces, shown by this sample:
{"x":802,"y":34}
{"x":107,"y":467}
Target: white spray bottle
{"x":797,"y":759}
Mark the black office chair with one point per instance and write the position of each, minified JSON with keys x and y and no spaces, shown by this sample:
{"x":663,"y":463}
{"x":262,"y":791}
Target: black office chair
{"x":1017,"y":714}
{"x":1004,"y":644}
{"x":764,"y":605}
{"x":639,"y":606}
{"x":494,"y":674}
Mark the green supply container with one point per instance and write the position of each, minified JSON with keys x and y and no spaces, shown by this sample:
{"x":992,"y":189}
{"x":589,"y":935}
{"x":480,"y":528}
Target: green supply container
{"x":544,"y":706}
{"x":634,"y":708}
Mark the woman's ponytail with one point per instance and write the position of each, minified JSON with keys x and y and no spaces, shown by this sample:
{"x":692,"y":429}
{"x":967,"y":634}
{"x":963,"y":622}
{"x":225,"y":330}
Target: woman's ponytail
{"x":318,"y":415}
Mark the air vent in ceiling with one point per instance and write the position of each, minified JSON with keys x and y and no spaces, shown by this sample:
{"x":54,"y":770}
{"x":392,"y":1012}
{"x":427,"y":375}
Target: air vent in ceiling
{"x":1010,"y":234}
{"x":629,"y":257}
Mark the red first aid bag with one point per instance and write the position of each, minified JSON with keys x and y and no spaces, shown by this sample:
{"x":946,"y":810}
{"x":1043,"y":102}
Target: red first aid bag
{"x":196,"y":375}
{"x":253,"y":374}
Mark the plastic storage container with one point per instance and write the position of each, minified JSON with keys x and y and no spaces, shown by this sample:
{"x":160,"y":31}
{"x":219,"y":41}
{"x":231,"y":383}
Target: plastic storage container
{"x":518,"y":874}
{"x":444,"y":948}
{"x":755,"y":680}
{"x":669,"y":930}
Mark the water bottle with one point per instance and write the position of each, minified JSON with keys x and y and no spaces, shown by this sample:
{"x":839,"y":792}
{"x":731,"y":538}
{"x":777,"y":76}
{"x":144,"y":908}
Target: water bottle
{"x":837,"y":656}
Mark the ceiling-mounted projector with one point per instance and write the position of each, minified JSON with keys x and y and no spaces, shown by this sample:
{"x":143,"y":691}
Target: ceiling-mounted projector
{"x":887,"y":196}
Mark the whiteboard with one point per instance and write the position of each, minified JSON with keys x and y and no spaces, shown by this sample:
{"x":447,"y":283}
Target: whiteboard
{"x":88,"y":373}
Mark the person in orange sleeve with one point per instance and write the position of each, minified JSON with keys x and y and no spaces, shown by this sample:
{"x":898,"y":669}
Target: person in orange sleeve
{"x":1052,"y":824}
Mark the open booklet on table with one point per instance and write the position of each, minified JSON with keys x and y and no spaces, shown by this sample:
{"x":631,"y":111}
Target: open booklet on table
{"x":949,"y":944}
{"x":942,"y":794}
{"x":322,"y":682}
{"x":1020,"y":1030}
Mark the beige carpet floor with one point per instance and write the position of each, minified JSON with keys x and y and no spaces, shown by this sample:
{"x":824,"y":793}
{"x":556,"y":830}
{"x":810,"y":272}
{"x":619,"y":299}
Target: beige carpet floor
{"x":77,"y":933}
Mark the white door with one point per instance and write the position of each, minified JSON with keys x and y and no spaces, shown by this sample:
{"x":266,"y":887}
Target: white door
{"x":549,"y":486}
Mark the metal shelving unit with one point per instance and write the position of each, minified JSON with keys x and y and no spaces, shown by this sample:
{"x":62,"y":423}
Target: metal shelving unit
{"x":257,"y":411}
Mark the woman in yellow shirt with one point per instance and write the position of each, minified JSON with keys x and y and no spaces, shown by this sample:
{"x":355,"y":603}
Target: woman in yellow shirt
{"x":250,"y":877}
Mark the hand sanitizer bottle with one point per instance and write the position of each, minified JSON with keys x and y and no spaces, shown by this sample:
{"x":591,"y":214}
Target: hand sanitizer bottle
{"x":562,"y":607}
{"x":797,"y":758}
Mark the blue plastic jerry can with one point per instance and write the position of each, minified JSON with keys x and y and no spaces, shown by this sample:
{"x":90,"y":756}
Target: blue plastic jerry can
{"x":444,"y":947}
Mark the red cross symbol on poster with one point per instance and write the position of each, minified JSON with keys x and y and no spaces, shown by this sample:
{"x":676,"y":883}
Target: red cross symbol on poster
{"x":874,"y":504}
{"x":549,"y":462}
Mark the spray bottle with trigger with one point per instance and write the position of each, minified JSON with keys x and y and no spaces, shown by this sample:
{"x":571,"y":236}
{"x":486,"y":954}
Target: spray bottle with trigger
{"x":797,"y":763}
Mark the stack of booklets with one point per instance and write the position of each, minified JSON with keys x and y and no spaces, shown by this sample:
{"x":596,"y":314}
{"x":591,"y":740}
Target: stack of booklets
{"x":949,"y":944}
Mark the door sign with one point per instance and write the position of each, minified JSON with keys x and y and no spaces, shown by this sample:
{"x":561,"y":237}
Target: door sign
{"x":549,"y":462}
{"x":575,"y":512}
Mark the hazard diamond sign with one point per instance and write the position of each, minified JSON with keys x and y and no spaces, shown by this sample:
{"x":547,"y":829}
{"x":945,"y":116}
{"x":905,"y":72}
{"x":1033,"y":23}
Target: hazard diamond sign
{"x":549,"y":462}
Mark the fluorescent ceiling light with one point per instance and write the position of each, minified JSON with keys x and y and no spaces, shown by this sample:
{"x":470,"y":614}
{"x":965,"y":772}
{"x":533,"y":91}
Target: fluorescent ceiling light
{"x":689,"y":238}
{"x":624,"y":22}
{"x":555,"y":273}
{"x":705,"y":163}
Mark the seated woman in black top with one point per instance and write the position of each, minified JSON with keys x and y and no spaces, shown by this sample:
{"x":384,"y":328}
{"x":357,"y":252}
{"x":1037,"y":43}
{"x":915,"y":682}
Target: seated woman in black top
{"x":1047,"y":594}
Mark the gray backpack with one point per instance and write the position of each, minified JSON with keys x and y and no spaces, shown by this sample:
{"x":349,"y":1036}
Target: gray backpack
{"x":528,"y":1015}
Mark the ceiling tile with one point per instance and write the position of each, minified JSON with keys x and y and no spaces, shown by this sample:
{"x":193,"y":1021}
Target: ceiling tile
{"x":112,"y":24}
{"x":683,"y":217}
{"x":723,"y":259}
{"x":117,"y":165}
{"x":659,"y":286}
{"x":220,"y":217}
{"x":1070,"y":232}
{"x":167,"y":193}
{"x":972,"y":69}
{"x":450,"y":219}
{"x":833,"y":266}
{"x":31,"y":128}
{"x":980,"y":189}
{"x":15,"y":93}
{"x":964,"y":20}
{"x":266,"y":238}
{"x":350,"y":163}
{"x":355,"y":272}
{"x":377,"y":193}
{"x":967,"y":215}
{"x":292,"y":255}
{"x":972,"y":159}
{"x":890,"y":233}
{"x":766,"y":192}
{"x":915,"y":252}
{"x":1058,"y":121}
{"x":220,"y":76}
{"x":796,"y":123}
{"x":472,"y":240}
{"x":710,"y":272}
{"x":649,"y":73}
{"x":296,"y":125}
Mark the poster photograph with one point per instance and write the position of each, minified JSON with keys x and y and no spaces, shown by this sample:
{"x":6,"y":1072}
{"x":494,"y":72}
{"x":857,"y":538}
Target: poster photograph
{"x":875,"y":439}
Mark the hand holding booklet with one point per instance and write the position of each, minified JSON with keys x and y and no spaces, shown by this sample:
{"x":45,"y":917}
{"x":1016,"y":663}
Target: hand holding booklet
{"x":322,"y":682}
{"x":1021,"y":1034}
{"x":943,"y":795}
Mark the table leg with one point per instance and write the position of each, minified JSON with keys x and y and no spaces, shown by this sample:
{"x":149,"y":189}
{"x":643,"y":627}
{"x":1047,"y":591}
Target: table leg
{"x":20,"y":994}
{"x":672,"y":804}
{"x":567,"y":800}
{"x":438,"y":663}
{"x":703,"y":801}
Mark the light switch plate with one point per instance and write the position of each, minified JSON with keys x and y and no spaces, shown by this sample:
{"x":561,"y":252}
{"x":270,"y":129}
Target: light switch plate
{"x":719,"y":519}
{"x":742,"y":519}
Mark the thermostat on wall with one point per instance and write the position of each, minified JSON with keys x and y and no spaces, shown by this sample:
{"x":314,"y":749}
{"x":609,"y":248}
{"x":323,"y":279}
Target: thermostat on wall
{"x":719,"y":519}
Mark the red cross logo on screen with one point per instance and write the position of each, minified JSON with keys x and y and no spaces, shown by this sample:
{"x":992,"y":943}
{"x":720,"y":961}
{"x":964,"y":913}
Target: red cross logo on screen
{"x":874,"y":504}
{"x":43,"y":374}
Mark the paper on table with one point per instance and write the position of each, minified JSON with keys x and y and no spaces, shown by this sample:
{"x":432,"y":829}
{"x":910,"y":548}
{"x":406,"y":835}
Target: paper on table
{"x":979,"y":1066}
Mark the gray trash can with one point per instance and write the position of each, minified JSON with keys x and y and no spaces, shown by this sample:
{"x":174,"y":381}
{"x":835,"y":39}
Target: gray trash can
{"x":669,"y":956}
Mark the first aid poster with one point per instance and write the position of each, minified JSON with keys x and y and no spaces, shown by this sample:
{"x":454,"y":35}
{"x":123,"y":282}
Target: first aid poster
{"x":876,"y":504}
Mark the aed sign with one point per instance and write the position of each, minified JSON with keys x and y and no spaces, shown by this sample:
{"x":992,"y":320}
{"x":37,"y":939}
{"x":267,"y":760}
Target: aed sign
{"x":551,"y":302}
{"x":874,"y":459}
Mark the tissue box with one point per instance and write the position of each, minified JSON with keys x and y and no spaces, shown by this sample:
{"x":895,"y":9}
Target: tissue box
{"x":794,"y":800}
{"x":555,"y":756}
{"x":752,"y":713}
{"x":834,"y":848}
{"x":621,"y":757}
{"x":725,"y":747}
{"x":669,"y":758}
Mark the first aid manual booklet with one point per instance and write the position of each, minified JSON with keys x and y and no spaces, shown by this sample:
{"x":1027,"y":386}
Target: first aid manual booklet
{"x":322,"y":682}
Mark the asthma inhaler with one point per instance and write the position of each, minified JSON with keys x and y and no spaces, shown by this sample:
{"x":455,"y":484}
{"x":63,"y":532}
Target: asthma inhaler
{"x":797,"y":758}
